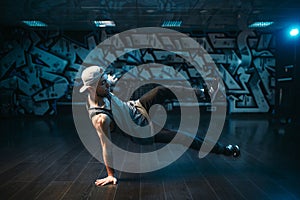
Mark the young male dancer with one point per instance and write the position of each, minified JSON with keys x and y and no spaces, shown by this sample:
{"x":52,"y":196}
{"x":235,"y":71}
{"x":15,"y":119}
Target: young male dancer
{"x":99,"y":101}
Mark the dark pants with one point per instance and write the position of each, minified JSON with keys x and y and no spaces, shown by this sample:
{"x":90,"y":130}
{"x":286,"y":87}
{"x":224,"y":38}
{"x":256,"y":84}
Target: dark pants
{"x":158,"y":95}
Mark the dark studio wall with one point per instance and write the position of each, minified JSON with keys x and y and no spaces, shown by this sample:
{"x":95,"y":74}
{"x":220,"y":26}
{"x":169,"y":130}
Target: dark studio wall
{"x":39,"y":69}
{"x":287,"y":75}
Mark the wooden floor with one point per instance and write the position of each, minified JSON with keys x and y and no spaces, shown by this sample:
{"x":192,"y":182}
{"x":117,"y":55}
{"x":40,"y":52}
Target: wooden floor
{"x":43,"y":158}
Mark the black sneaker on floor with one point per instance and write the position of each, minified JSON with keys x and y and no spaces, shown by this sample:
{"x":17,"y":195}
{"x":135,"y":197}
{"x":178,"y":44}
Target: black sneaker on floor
{"x":232,"y":150}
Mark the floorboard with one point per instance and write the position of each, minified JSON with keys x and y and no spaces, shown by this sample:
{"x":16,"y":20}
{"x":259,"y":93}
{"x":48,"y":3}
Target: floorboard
{"x":55,"y":190}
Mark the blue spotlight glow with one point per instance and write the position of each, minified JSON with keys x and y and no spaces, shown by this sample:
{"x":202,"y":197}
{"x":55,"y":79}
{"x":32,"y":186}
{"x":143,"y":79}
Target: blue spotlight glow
{"x":294,"y":32}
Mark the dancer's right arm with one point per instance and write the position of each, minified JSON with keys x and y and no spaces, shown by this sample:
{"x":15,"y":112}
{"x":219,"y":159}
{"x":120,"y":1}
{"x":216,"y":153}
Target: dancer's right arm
{"x":102,"y":123}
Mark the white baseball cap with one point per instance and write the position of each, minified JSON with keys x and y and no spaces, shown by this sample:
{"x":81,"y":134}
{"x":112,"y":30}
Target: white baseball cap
{"x":90,"y":76}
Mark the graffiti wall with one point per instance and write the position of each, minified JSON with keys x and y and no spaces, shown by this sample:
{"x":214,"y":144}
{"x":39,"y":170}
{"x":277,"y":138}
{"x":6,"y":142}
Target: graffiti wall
{"x":39,"y":69}
{"x":247,"y":65}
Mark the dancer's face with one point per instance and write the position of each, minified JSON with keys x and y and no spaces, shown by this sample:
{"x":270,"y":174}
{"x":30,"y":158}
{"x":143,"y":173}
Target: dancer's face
{"x":102,"y":89}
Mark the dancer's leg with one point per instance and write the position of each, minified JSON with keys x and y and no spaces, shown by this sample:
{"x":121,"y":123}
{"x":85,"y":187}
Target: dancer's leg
{"x":158,"y":95}
{"x":165,"y":136}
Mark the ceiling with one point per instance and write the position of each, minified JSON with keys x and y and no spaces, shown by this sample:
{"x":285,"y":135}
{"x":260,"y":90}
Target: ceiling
{"x":196,"y":15}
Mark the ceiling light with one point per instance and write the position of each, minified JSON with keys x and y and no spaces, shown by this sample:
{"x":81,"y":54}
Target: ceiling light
{"x":171,"y":24}
{"x":203,"y":11}
{"x":260,"y":24}
{"x":150,"y":11}
{"x":106,"y":23}
{"x":34,"y":23}
{"x":256,"y":11}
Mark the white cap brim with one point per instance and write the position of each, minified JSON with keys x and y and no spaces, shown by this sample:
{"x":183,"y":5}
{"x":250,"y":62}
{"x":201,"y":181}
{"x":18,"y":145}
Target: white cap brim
{"x":84,"y":88}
